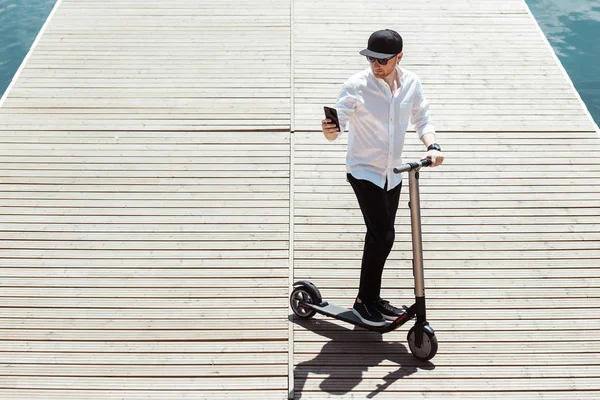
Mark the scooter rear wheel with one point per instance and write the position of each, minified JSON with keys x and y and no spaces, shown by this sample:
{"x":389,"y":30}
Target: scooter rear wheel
{"x":301,"y":295}
{"x":428,"y":348}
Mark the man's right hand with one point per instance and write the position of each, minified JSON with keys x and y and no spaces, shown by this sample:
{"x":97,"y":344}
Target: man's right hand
{"x":329,"y":130}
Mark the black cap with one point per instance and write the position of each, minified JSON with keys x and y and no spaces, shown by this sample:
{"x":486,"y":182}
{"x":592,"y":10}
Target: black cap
{"x":383,"y":44}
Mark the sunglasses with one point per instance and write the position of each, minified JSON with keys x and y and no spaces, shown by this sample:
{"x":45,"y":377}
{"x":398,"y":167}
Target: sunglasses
{"x":381,"y":61}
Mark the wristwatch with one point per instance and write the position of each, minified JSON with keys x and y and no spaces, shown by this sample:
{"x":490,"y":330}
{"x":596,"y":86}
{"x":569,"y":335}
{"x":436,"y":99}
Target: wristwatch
{"x":434,"y":146}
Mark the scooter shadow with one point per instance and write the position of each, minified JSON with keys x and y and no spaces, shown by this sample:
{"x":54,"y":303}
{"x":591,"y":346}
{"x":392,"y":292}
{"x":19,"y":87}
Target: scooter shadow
{"x":348,"y":354}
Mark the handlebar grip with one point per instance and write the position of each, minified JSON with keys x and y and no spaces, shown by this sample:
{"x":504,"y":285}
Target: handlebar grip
{"x":426,"y":162}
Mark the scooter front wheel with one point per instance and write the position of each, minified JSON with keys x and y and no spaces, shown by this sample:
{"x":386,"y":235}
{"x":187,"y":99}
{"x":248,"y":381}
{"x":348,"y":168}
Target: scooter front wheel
{"x":429,"y":346}
{"x":300,"y":296}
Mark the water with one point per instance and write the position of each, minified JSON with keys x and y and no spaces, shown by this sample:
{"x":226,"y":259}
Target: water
{"x":571,"y":26}
{"x":573,"y":29}
{"x":20,"y":22}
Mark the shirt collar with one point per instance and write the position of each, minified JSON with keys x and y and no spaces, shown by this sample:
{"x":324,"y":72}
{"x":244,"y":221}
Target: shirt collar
{"x":380,"y":81}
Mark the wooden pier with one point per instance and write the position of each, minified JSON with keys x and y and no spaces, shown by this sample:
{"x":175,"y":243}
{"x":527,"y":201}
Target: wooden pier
{"x":163,"y":182}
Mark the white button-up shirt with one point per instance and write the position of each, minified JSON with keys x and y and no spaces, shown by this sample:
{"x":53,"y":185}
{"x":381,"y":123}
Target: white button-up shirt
{"x":378,"y":120}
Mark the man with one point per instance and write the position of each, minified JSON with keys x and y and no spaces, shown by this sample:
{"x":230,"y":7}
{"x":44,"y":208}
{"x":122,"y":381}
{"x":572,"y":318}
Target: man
{"x":378,"y":104}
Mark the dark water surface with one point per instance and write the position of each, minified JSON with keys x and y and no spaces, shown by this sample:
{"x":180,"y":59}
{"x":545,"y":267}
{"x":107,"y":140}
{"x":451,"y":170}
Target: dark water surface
{"x":573,"y":29}
{"x":20,"y":22}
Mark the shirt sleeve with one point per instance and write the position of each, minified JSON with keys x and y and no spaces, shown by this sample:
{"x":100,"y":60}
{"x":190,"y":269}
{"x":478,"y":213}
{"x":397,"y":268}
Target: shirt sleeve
{"x":420,"y":116}
{"x":345,"y":105}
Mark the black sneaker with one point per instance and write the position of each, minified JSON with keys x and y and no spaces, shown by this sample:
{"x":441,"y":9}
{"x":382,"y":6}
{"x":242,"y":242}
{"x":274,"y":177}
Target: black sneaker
{"x":368,"y":314}
{"x":387,"y":310}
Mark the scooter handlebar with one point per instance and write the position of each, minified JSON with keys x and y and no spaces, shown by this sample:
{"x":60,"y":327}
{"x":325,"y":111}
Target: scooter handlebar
{"x":426,"y":162}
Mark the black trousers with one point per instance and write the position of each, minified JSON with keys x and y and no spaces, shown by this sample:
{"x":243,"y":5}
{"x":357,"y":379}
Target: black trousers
{"x":379,"y":207}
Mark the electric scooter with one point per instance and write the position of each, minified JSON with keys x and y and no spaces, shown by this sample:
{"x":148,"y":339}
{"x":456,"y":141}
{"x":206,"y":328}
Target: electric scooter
{"x":306,"y":299}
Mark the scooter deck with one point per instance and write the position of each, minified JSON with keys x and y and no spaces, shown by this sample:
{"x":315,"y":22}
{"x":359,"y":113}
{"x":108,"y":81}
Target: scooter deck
{"x":346,"y":315}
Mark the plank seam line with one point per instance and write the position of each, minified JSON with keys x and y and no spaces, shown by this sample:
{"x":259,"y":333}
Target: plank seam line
{"x":561,"y":67}
{"x":291,"y":394}
{"x":292,"y":70}
{"x":29,"y":53}
{"x":509,"y":131}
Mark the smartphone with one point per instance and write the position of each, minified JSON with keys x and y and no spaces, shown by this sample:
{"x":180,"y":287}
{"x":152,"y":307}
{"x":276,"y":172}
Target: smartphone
{"x":331,"y":113}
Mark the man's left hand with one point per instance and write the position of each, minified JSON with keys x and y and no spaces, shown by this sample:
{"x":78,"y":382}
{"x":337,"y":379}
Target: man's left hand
{"x":437,"y":158}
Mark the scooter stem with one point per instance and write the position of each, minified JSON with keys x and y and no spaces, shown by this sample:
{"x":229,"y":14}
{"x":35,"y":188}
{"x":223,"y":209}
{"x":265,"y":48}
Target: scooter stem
{"x":415,"y":221}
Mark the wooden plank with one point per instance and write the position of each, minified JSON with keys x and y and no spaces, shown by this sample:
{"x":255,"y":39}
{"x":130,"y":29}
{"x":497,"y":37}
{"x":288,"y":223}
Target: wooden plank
{"x":354,"y":218}
{"x":460,"y":348}
{"x":174,"y":394}
{"x":492,"y":206}
{"x":465,"y":263}
{"x":224,"y":271}
{"x":140,"y":292}
{"x":143,"y":335}
{"x":52,"y":261}
{"x":198,"y":324}
{"x":457,"y":254}
{"x":400,"y":357}
{"x":156,"y":359}
{"x":465,"y":385}
{"x":228,"y":231}
{"x":452,"y":372}
{"x":198,"y":371}
{"x":431,"y":195}
{"x":484,"y":274}
{"x":344,"y":229}
{"x":270,"y":395}
{"x":502,"y":160}
{"x":149,"y":282}
{"x":320,"y":327}
{"x":307,"y":137}
{"x":433,"y":303}
{"x":215,"y":347}
{"x":517,"y":395}
{"x":241,"y":314}
{"x":165,"y":383}
{"x":135,"y":211}
{"x":342,"y":372}
{"x":147,"y":219}
{"x":495,"y":244}
{"x":20,"y":232}
{"x":438,"y":307}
